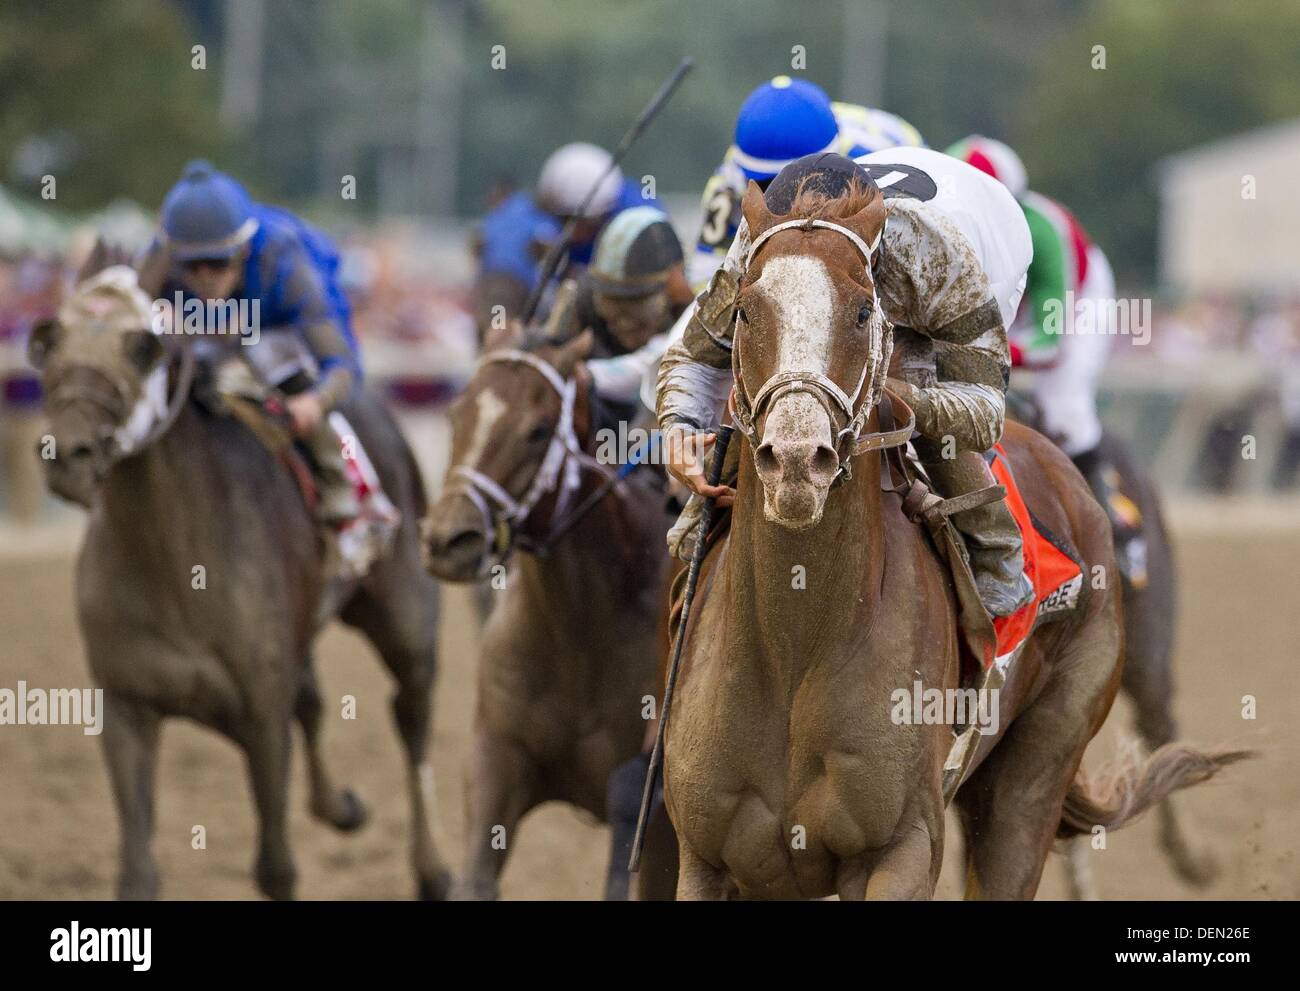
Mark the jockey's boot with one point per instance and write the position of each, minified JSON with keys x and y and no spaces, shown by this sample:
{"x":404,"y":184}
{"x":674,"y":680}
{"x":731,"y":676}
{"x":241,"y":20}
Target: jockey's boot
{"x":336,"y":503}
{"x":992,"y":535}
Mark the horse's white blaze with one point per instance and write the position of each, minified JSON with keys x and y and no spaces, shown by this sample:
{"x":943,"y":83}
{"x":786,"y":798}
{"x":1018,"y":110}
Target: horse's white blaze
{"x":490,"y":408}
{"x":803,"y":297}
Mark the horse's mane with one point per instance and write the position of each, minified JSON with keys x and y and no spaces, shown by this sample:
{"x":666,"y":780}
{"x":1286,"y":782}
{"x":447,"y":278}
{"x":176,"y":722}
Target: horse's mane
{"x":811,"y":203}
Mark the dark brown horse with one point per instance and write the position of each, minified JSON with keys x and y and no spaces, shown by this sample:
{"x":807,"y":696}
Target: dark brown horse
{"x":1150,"y":615}
{"x":788,"y":771}
{"x":567,"y":667}
{"x":199,"y":583}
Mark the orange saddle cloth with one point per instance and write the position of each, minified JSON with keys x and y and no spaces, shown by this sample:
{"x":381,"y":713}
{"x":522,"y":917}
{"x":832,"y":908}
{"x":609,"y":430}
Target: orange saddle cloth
{"x":1057,"y":577}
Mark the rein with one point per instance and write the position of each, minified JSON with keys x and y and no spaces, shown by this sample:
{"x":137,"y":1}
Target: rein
{"x":560,"y":471}
{"x":849,"y":441}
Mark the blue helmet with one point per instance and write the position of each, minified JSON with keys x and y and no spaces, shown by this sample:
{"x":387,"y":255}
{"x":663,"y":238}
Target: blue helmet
{"x":781,"y":121}
{"x":207,"y":214}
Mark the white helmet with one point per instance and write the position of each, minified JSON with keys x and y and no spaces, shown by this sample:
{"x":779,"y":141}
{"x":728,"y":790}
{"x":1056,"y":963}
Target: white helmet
{"x":569,"y":174}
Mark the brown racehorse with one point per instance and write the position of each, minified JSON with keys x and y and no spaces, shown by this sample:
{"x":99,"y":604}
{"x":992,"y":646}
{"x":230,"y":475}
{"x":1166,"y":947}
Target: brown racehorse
{"x":786,"y":773}
{"x":200,"y":582}
{"x":569,"y":653}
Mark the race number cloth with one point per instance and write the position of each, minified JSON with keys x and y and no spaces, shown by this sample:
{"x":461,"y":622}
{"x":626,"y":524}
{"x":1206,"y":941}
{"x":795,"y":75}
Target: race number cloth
{"x":1057,"y":577}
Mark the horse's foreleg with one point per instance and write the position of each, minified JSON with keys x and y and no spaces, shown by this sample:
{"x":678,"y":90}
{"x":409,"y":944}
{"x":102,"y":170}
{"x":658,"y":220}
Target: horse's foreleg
{"x":905,"y":871}
{"x":698,"y":880}
{"x":130,"y":742}
{"x":340,"y":807}
{"x":398,"y":612}
{"x":267,"y":746}
{"x":502,"y":787}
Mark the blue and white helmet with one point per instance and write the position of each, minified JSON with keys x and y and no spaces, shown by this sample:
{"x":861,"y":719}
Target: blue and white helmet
{"x":207,"y":214}
{"x":781,"y":121}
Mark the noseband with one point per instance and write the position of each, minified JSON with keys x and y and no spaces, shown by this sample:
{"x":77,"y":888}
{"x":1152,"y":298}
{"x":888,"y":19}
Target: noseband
{"x":560,"y":471}
{"x":849,"y":441}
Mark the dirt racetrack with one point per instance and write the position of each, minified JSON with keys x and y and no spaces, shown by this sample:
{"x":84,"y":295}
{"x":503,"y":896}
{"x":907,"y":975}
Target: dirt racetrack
{"x":1239,"y":634}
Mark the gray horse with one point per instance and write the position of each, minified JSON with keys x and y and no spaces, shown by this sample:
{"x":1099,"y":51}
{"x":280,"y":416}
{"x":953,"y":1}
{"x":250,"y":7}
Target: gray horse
{"x":200,"y":581}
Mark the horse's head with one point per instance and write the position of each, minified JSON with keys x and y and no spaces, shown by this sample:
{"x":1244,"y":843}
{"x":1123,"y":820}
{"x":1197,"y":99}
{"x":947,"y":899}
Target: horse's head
{"x":514,"y":443}
{"x":810,"y":342}
{"x":104,"y":379}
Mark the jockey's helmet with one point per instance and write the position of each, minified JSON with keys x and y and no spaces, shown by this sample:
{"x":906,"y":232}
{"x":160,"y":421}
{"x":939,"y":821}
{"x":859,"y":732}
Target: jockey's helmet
{"x":826,"y":172}
{"x":635,"y":253}
{"x":780,"y":121}
{"x":207,"y":214}
{"x":995,"y":158}
{"x":569,"y":175}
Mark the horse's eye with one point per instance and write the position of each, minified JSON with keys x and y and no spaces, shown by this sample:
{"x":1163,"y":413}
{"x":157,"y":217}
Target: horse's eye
{"x":864,"y":315}
{"x":539,"y":434}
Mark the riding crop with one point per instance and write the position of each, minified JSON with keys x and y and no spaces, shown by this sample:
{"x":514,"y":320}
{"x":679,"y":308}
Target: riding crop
{"x":551,"y":261}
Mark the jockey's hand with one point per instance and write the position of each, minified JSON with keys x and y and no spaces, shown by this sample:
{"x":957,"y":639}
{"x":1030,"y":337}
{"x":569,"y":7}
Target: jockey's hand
{"x":306,"y":412}
{"x":685,"y":451}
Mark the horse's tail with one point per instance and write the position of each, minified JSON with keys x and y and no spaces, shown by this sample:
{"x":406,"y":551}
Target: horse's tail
{"x":1130,"y":786}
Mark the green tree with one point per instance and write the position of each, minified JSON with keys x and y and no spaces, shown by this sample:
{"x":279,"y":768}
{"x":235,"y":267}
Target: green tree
{"x":105,"y":95}
{"x":1178,"y":73}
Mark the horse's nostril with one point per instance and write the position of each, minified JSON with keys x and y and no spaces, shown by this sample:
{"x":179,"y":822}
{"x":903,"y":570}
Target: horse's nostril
{"x":463,"y":541}
{"x":765,"y":460}
{"x":825,"y":461}
{"x":80,"y":452}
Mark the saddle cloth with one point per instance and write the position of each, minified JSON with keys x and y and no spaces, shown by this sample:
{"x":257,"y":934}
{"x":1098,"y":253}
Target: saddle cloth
{"x":1057,"y":576}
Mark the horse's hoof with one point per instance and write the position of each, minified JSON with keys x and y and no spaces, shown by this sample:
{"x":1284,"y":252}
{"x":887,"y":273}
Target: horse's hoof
{"x":1197,"y":869}
{"x":277,"y":885}
{"x":352,"y":812}
{"x":465,"y":890}
{"x":434,"y":889}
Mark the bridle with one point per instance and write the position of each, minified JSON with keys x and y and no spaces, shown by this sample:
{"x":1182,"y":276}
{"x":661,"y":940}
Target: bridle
{"x":88,"y":384}
{"x":849,"y":441}
{"x":560,"y":471}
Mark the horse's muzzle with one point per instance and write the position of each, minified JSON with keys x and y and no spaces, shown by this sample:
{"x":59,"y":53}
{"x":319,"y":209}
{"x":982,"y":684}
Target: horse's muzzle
{"x":454,"y":545}
{"x":796,"y":461}
{"x":75,"y":474}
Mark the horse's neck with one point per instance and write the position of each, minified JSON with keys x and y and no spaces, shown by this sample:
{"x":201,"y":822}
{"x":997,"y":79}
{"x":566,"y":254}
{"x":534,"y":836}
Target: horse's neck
{"x":587,"y":569}
{"x":801,"y":596}
{"x":155,"y":501}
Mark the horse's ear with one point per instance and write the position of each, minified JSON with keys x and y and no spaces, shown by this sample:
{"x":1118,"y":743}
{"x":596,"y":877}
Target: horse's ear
{"x":42,"y":342}
{"x":573,"y":352}
{"x":507,"y":335}
{"x":143,"y":349}
{"x":867,"y":222}
{"x":754,"y":209}
{"x":95,"y":262}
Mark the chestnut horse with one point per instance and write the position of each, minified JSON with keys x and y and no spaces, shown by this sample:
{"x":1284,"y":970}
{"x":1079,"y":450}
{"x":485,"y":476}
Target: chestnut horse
{"x":569,"y":653}
{"x":787,"y":773}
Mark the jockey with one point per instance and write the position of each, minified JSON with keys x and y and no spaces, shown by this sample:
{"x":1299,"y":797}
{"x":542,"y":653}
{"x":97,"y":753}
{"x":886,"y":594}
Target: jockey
{"x":949,"y":275}
{"x":630,"y":296}
{"x":515,"y":234}
{"x":1065,"y":344}
{"x":780,"y":121}
{"x":217,"y":244}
